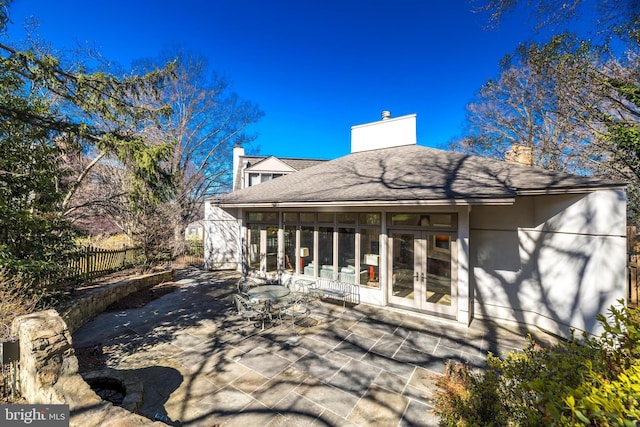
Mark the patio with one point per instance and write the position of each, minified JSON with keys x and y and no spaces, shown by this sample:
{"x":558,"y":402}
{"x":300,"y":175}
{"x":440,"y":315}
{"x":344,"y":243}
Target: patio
{"x":200,"y":365}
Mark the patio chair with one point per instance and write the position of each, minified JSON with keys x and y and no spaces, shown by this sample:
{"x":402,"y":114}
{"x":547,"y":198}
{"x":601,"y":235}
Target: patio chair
{"x":250,"y":311}
{"x":244,"y":284}
{"x":297,"y":291}
{"x":295,"y":309}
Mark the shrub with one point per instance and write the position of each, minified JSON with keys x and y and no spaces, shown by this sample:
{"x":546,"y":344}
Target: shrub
{"x":13,"y":303}
{"x":586,"y":381}
{"x":467,"y":398}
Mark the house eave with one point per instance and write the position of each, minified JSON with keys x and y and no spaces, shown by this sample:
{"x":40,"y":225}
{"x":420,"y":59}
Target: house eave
{"x":572,"y":190}
{"x":370,"y":203}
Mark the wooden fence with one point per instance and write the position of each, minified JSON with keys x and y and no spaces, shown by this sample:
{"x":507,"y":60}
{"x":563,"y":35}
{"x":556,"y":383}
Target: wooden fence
{"x":91,"y":262}
{"x":191,"y":254}
{"x":633,"y":279}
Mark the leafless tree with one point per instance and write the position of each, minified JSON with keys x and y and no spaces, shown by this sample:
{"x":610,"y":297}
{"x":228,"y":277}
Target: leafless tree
{"x":574,"y":102}
{"x":207,"y":121}
{"x":612,"y":18}
{"x":527,"y":107}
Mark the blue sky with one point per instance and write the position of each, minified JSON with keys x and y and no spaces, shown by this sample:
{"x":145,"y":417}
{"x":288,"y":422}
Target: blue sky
{"x":315,"y":68}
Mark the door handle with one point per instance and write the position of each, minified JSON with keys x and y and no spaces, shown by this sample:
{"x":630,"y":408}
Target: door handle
{"x":422,"y":277}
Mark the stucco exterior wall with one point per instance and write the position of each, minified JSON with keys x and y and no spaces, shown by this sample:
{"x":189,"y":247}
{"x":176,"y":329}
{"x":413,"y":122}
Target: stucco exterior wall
{"x":221,"y":245}
{"x":550,"y":261}
{"x":384,"y":134}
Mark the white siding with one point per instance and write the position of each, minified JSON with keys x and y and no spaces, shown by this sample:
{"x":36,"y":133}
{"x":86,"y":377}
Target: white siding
{"x":222,"y":240}
{"x":550,"y":261}
{"x":271,"y":164}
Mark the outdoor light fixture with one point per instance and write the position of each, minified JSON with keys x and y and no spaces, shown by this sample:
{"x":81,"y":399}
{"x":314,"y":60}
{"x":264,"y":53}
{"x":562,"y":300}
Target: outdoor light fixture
{"x":372,"y":261}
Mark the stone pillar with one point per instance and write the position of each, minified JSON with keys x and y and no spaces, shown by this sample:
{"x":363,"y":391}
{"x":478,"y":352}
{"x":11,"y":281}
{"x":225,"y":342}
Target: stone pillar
{"x":49,"y":374}
{"x":46,"y":355}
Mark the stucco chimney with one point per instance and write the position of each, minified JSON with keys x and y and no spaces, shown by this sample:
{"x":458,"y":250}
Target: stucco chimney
{"x":385,"y":133}
{"x":238,"y":151}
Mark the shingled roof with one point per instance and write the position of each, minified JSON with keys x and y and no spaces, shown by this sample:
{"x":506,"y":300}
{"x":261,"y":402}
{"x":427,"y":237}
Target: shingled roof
{"x":411,"y":174}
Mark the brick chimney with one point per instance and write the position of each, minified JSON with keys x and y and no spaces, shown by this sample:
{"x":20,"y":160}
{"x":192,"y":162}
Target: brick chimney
{"x":520,"y":155}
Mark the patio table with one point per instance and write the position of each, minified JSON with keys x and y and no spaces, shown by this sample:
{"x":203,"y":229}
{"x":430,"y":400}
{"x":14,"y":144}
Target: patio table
{"x":268,"y":292}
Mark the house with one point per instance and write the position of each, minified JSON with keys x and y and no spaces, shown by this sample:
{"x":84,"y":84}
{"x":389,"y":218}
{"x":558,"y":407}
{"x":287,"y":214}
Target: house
{"x":223,"y":248}
{"x":437,"y":232}
{"x":249,"y":171}
{"x":194,"y":231}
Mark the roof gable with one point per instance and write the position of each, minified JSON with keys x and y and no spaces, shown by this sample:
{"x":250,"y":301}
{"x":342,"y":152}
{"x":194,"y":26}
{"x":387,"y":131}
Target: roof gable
{"x":270,"y":164}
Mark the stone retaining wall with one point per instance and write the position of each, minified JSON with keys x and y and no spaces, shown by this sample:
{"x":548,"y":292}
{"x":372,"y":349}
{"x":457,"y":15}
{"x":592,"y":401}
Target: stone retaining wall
{"x":97,"y":300}
{"x":49,"y":367}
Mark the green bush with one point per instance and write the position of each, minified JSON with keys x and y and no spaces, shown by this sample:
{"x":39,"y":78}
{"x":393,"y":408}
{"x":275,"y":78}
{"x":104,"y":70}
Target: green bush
{"x":586,"y":381}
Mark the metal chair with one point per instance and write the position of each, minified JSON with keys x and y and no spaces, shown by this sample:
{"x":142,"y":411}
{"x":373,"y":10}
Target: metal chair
{"x":298,"y":293}
{"x":244,"y":284}
{"x":295,"y":309}
{"x":250,"y":311}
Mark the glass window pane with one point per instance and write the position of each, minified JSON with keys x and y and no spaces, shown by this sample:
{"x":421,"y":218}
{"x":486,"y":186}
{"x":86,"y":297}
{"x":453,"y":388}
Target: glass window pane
{"x":272,"y":249}
{"x":369,"y":218}
{"x":326,"y":217}
{"x":265,"y":177}
{"x":306,"y":251}
{"x":290,"y":248}
{"x":262,"y":217}
{"x":307,"y":217}
{"x":405,"y":219}
{"x":347,"y":257}
{"x":325,"y":252}
{"x":442,"y":220}
{"x":290,"y":217}
{"x":346,"y":218}
{"x":270,"y":217}
{"x":253,"y":251}
{"x":434,"y":220}
{"x":254,"y":179}
{"x":403,"y":253}
{"x":370,"y":255}
{"x":439,"y":270}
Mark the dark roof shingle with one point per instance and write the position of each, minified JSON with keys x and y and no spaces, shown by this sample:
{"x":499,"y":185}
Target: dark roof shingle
{"x":408,"y":173}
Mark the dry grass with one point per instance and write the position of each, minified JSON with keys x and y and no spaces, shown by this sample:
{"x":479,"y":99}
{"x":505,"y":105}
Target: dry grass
{"x":13,"y":303}
{"x":117,"y":241}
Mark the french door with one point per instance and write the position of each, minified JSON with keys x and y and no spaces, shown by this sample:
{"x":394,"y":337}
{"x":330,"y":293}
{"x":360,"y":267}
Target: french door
{"x":262,"y":250}
{"x":422,"y":271}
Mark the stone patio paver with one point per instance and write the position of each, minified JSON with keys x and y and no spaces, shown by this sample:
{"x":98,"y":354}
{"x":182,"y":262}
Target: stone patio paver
{"x":354,"y":366}
{"x":418,"y":414}
{"x":379,"y":407}
{"x":328,"y":396}
{"x":298,"y":409}
{"x":274,"y":390}
{"x":355,"y":377}
{"x":264,"y":361}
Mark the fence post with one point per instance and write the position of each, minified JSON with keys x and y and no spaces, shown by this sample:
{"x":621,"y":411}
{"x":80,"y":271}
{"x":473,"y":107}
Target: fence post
{"x":87,"y":266}
{"x":633,"y":284}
